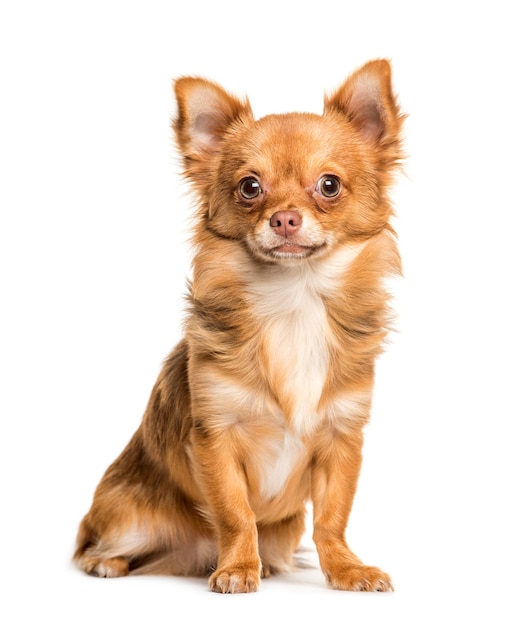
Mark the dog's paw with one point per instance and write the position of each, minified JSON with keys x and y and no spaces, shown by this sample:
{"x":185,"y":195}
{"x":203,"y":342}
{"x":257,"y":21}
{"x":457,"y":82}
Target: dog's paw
{"x":235,"y":580}
{"x":265,"y":570}
{"x":105,"y":568}
{"x":359,"y":578}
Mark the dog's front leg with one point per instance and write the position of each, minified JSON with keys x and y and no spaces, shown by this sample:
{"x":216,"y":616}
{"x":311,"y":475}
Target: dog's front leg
{"x":224,"y":486}
{"x":334,"y":481}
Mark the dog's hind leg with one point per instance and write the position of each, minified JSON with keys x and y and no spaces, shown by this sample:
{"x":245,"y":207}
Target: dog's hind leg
{"x":114,"y":551}
{"x":278,"y":543}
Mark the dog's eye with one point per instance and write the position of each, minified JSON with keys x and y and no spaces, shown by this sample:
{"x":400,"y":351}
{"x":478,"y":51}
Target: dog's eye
{"x":249,"y":188}
{"x":329,"y":186}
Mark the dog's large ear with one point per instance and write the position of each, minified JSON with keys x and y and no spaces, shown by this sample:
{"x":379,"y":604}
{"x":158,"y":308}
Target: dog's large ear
{"x":367,"y":100}
{"x":205,"y":112}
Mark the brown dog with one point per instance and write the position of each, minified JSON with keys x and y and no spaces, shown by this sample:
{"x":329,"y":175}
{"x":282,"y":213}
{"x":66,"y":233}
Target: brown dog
{"x":262,"y":405}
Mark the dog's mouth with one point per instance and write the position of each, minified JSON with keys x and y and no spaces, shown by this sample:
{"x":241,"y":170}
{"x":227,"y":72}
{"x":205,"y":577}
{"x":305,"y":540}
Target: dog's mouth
{"x":289,"y":247}
{"x":291,"y":250}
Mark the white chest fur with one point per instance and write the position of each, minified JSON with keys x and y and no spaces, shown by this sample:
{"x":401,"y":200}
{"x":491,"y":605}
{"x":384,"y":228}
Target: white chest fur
{"x":289,"y":304}
{"x":295,"y":330}
{"x":296,"y":345}
{"x":281,"y":457}
{"x":289,"y":308}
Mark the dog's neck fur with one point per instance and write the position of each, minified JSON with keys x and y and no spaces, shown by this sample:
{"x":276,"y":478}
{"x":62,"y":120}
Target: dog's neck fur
{"x":289,"y":305}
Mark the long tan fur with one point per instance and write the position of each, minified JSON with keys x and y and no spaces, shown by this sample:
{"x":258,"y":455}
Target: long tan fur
{"x":261,"y":407}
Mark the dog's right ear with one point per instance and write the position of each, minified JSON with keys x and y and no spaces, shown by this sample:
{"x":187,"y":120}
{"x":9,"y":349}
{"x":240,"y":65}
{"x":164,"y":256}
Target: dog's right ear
{"x":205,"y":112}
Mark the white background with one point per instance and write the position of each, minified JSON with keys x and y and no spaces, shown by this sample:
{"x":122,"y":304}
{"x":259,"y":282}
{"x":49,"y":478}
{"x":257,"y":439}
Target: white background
{"x":94,"y":258}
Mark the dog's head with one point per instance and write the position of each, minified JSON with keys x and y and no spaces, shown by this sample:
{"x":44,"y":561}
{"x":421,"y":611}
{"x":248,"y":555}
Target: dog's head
{"x":297,"y":185}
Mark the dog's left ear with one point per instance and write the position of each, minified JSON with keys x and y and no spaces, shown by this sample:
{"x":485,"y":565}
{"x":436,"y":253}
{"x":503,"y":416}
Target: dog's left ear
{"x":367,"y":100}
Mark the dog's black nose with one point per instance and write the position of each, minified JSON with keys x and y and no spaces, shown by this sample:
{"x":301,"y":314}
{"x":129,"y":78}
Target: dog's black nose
{"x":285,"y":223}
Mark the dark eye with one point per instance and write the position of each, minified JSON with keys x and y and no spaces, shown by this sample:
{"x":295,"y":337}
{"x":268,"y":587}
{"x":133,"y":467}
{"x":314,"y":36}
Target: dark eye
{"x":249,"y":188}
{"x":329,"y":186}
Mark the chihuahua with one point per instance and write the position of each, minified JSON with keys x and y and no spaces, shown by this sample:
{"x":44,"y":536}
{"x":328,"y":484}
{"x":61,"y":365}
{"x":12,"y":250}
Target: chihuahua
{"x":261,"y":406}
